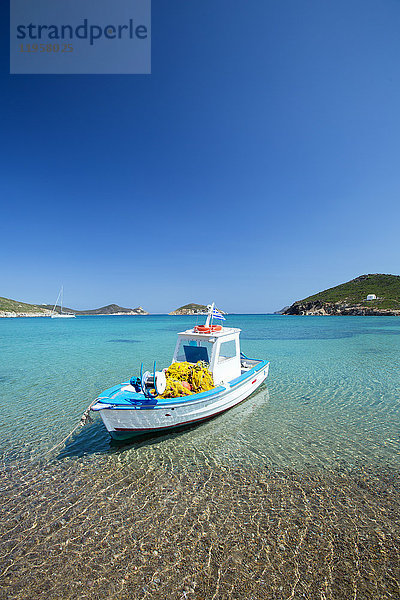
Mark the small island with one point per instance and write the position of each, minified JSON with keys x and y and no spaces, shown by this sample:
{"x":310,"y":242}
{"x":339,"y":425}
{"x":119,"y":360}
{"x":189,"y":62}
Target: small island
{"x":193,"y":309}
{"x":13,"y":308}
{"x":110,"y":309}
{"x":367,"y":295}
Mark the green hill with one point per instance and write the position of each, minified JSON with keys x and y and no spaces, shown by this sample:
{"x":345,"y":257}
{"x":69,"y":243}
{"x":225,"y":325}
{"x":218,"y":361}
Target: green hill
{"x":110,"y":309}
{"x":350,"y":297}
{"x":192,"y":309}
{"x":385,"y":287}
{"x":23,"y":308}
{"x":8,"y":305}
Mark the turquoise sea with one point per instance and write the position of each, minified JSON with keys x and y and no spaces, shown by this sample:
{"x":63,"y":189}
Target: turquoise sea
{"x":292,"y":494}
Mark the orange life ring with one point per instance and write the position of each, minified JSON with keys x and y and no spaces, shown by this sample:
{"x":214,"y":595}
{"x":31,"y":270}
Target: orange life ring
{"x":202,"y":329}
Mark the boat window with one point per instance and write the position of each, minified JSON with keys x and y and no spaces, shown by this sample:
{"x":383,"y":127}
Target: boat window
{"x":195,"y":353}
{"x":193,"y":350}
{"x":227,"y":350}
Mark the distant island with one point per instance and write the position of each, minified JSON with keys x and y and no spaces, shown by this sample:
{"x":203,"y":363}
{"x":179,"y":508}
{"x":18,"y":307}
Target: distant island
{"x":13,"y":308}
{"x":110,"y":309}
{"x":367,"y":295}
{"x":193,"y":309}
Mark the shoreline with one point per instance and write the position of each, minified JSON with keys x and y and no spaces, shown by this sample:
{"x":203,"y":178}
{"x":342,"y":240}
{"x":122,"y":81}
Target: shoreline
{"x":24,"y":315}
{"x":4,"y":315}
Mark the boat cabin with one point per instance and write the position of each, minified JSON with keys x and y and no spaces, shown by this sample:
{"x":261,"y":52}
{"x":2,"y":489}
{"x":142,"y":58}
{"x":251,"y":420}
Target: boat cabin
{"x":220,"y":349}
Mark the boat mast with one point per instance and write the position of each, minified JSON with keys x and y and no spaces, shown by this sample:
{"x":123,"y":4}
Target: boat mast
{"x":54,"y":307}
{"x":61,"y":303}
{"x":210,"y":313}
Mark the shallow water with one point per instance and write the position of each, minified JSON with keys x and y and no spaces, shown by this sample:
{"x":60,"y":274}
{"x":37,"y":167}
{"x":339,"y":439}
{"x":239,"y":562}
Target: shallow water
{"x":292,"y":494}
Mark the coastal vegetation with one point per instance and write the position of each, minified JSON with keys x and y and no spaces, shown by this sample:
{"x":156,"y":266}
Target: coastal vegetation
{"x":11,"y":308}
{"x":110,"y":309}
{"x":192,"y":309}
{"x":350,"y":298}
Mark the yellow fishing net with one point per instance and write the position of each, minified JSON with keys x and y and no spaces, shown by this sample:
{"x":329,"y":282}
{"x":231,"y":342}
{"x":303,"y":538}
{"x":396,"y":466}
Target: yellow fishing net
{"x":197,"y":376}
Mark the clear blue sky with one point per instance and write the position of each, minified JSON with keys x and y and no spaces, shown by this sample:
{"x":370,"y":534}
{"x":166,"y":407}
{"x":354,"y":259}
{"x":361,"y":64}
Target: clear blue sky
{"x":258,"y":164}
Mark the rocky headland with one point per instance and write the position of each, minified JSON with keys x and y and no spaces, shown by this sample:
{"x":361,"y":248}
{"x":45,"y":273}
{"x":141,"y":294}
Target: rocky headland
{"x":367,"y":295}
{"x":331,"y":308}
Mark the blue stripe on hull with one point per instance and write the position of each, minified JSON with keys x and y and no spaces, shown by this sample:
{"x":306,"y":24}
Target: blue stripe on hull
{"x":127,"y":434}
{"x":119,"y":400}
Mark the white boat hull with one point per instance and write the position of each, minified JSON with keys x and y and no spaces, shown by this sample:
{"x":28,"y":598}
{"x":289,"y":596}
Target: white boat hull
{"x":124,"y":421}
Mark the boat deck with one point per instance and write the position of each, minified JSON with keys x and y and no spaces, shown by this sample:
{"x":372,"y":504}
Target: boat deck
{"x":124,"y":396}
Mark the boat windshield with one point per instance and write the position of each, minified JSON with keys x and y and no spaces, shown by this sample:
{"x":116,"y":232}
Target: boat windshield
{"x":194,"y":350}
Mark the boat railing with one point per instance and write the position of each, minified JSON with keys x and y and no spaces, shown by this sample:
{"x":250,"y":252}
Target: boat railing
{"x":247,"y":363}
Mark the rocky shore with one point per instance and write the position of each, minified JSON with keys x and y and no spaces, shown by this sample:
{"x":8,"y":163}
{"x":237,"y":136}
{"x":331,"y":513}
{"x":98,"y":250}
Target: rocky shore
{"x":4,"y":314}
{"x":375,"y":294}
{"x":187,"y":312}
{"x":336,"y":308}
{"x":8,"y":314}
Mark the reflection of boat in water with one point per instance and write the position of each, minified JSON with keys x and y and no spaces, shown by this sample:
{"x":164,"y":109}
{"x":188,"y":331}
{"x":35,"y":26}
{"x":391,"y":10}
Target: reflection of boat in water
{"x":60,"y":315}
{"x":140,"y":406}
{"x":231,"y":425}
{"x":231,"y":439}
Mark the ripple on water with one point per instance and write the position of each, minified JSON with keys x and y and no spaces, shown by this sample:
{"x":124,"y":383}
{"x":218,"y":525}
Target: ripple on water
{"x":114,"y":527}
{"x":292,"y":494}
{"x":124,"y":341}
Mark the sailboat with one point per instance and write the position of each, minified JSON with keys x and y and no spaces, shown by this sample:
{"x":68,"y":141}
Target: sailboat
{"x":60,"y":315}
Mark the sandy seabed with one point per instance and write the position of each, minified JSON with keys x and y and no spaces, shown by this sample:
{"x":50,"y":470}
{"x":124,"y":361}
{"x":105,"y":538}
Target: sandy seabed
{"x":100,"y":527}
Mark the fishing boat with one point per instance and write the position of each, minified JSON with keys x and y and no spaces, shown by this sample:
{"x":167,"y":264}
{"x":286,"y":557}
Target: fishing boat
{"x":60,"y":315}
{"x":140,"y":406}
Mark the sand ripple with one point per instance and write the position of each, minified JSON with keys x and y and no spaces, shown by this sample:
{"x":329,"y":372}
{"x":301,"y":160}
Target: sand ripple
{"x":106,"y":528}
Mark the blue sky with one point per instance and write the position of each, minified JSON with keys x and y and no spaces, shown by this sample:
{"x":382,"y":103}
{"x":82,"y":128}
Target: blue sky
{"x":257,"y":164}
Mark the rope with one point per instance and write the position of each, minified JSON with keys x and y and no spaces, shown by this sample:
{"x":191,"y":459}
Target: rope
{"x":85,"y":418}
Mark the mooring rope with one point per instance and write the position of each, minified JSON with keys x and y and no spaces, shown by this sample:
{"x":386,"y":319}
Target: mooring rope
{"x":85,"y":418}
